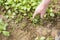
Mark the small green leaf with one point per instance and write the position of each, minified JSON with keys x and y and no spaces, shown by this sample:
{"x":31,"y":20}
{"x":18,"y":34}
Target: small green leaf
{"x":52,"y":14}
{"x":42,"y":38}
{"x":1,"y":27}
{"x":4,"y":28}
{"x":0,"y":20}
{"x":35,"y":21}
{"x":6,"y":16}
{"x":51,"y":10}
{"x":49,"y":38}
{"x":45,"y":15}
{"x":9,"y":11}
{"x":6,"y":33}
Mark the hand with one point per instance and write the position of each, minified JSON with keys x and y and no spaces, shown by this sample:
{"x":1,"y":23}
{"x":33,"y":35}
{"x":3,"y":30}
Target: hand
{"x":41,"y":9}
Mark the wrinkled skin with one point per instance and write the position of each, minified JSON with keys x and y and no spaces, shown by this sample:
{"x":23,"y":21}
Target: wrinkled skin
{"x":41,"y":8}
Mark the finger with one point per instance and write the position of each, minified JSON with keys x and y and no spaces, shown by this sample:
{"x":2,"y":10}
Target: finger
{"x":42,"y":14}
{"x":35,"y":13}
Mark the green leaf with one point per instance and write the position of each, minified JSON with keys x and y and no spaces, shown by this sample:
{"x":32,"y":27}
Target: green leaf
{"x":45,"y":15}
{"x":52,"y":14}
{"x":6,"y":7}
{"x":2,"y":27}
{"x":6,"y":33}
{"x":42,"y":38}
{"x":35,"y":21}
{"x":49,"y":38}
{"x":9,"y":11}
{"x":51,"y":10}
{"x":6,"y":16}
{"x":0,"y":20}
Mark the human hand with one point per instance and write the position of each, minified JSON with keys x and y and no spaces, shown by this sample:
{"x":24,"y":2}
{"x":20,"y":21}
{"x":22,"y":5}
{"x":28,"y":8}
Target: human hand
{"x":41,"y":9}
